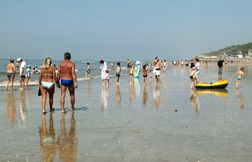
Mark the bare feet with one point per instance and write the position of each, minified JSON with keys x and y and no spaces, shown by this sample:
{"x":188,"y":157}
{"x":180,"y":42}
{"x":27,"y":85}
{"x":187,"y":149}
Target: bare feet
{"x":63,"y":111}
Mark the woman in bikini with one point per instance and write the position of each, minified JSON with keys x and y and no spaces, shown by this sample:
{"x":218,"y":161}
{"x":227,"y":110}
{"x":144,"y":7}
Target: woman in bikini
{"x":47,"y":81}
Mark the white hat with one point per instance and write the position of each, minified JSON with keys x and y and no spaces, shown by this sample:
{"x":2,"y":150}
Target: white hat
{"x":19,"y":59}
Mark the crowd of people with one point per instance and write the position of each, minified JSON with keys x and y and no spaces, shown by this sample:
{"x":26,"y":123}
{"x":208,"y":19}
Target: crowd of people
{"x":65,"y":76}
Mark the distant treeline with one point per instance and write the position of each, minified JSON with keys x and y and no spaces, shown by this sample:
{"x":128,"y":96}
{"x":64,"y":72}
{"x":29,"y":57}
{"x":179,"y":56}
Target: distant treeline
{"x":234,"y":50}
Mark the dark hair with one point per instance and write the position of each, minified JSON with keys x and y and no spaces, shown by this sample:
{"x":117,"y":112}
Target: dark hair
{"x":197,"y":59}
{"x":118,"y":64}
{"x":11,"y":60}
{"x":101,"y":62}
{"x":192,"y":65}
{"x":144,"y":67}
{"x":67,"y":56}
{"x":88,"y":63}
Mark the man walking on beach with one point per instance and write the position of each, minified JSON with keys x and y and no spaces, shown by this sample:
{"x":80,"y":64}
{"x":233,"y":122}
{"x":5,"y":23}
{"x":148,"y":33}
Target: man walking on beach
{"x":68,"y":79}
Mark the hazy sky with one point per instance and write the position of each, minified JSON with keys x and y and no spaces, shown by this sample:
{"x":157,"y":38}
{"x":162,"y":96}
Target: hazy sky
{"x":120,"y":29}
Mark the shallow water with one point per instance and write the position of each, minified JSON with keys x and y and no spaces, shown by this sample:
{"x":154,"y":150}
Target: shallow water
{"x":133,"y":122}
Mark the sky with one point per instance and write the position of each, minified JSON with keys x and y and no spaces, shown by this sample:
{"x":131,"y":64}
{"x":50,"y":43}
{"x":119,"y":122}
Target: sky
{"x":121,"y":29}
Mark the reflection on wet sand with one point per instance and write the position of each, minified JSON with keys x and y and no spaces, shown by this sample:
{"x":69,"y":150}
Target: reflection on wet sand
{"x":104,"y":97}
{"x":195,"y":100}
{"x":137,"y":86}
{"x":132,"y":93}
{"x":48,"y":145}
{"x":22,"y":107}
{"x":240,"y":99}
{"x":217,"y":92}
{"x":156,"y":96}
{"x":145,"y":96}
{"x":118,"y":95}
{"x":89,"y":87}
{"x":11,"y":108}
{"x":67,"y":141}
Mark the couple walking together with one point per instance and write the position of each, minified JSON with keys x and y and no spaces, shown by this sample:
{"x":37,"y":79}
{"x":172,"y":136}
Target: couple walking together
{"x":66,"y":78}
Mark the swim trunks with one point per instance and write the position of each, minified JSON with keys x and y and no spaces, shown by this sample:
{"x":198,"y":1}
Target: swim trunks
{"x":66,"y":83}
{"x":9,"y":75}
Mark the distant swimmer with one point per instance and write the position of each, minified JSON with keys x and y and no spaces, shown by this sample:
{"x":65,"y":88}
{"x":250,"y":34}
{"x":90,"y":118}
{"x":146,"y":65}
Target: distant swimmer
{"x":239,"y":74}
{"x":68,"y":80}
{"x":47,"y":81}
{"x":11,"y":72}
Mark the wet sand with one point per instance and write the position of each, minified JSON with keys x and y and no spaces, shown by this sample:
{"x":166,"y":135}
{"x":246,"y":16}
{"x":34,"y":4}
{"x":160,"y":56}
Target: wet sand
{"x":132,"y":122}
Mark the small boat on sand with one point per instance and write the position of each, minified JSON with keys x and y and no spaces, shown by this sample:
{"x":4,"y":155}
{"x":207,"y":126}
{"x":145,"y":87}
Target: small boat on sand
{"x":221,"y":84}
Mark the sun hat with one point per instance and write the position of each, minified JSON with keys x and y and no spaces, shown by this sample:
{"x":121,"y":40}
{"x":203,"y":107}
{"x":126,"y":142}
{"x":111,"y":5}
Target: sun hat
{"x":19,"y":59}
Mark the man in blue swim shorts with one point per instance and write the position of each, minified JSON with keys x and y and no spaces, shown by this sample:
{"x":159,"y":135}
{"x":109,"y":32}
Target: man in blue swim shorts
{"x":68,"y":80}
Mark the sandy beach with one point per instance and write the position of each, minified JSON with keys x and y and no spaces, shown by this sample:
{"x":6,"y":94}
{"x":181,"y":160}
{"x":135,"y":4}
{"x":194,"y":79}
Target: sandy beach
{"x":129,"y":123}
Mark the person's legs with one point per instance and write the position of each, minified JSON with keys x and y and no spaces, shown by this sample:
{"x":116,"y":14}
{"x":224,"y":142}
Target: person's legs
{"x":62,"y":99}
{"x":44,"y":96}
{"x":12,"y":80}
{"x":72,"y":96}
{"x":51,"y":93}
{"x":237,"y":84}
{"x":27,"y":82}
{"x":7,"y":85}
{"x":157,"y":79}
{"x":21,"y":83}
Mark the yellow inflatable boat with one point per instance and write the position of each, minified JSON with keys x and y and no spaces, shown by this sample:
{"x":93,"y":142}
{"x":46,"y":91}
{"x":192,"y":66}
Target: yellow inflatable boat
{"x":221,"y":84}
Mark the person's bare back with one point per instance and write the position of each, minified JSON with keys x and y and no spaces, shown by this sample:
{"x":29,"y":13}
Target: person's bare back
{"x":67,"y":70}
{"x":11,"y":68}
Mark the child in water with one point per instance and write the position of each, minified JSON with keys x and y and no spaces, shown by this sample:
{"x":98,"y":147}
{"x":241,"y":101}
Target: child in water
{"x":239,"y":74}
{"x":118,"y":72}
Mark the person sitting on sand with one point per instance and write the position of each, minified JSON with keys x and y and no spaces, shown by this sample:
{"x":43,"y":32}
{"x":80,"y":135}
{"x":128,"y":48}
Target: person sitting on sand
{"x":239,"y":74}
{"x":68,"y":79}
{"x":11,"y":72}
{"x":47,"y":80}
